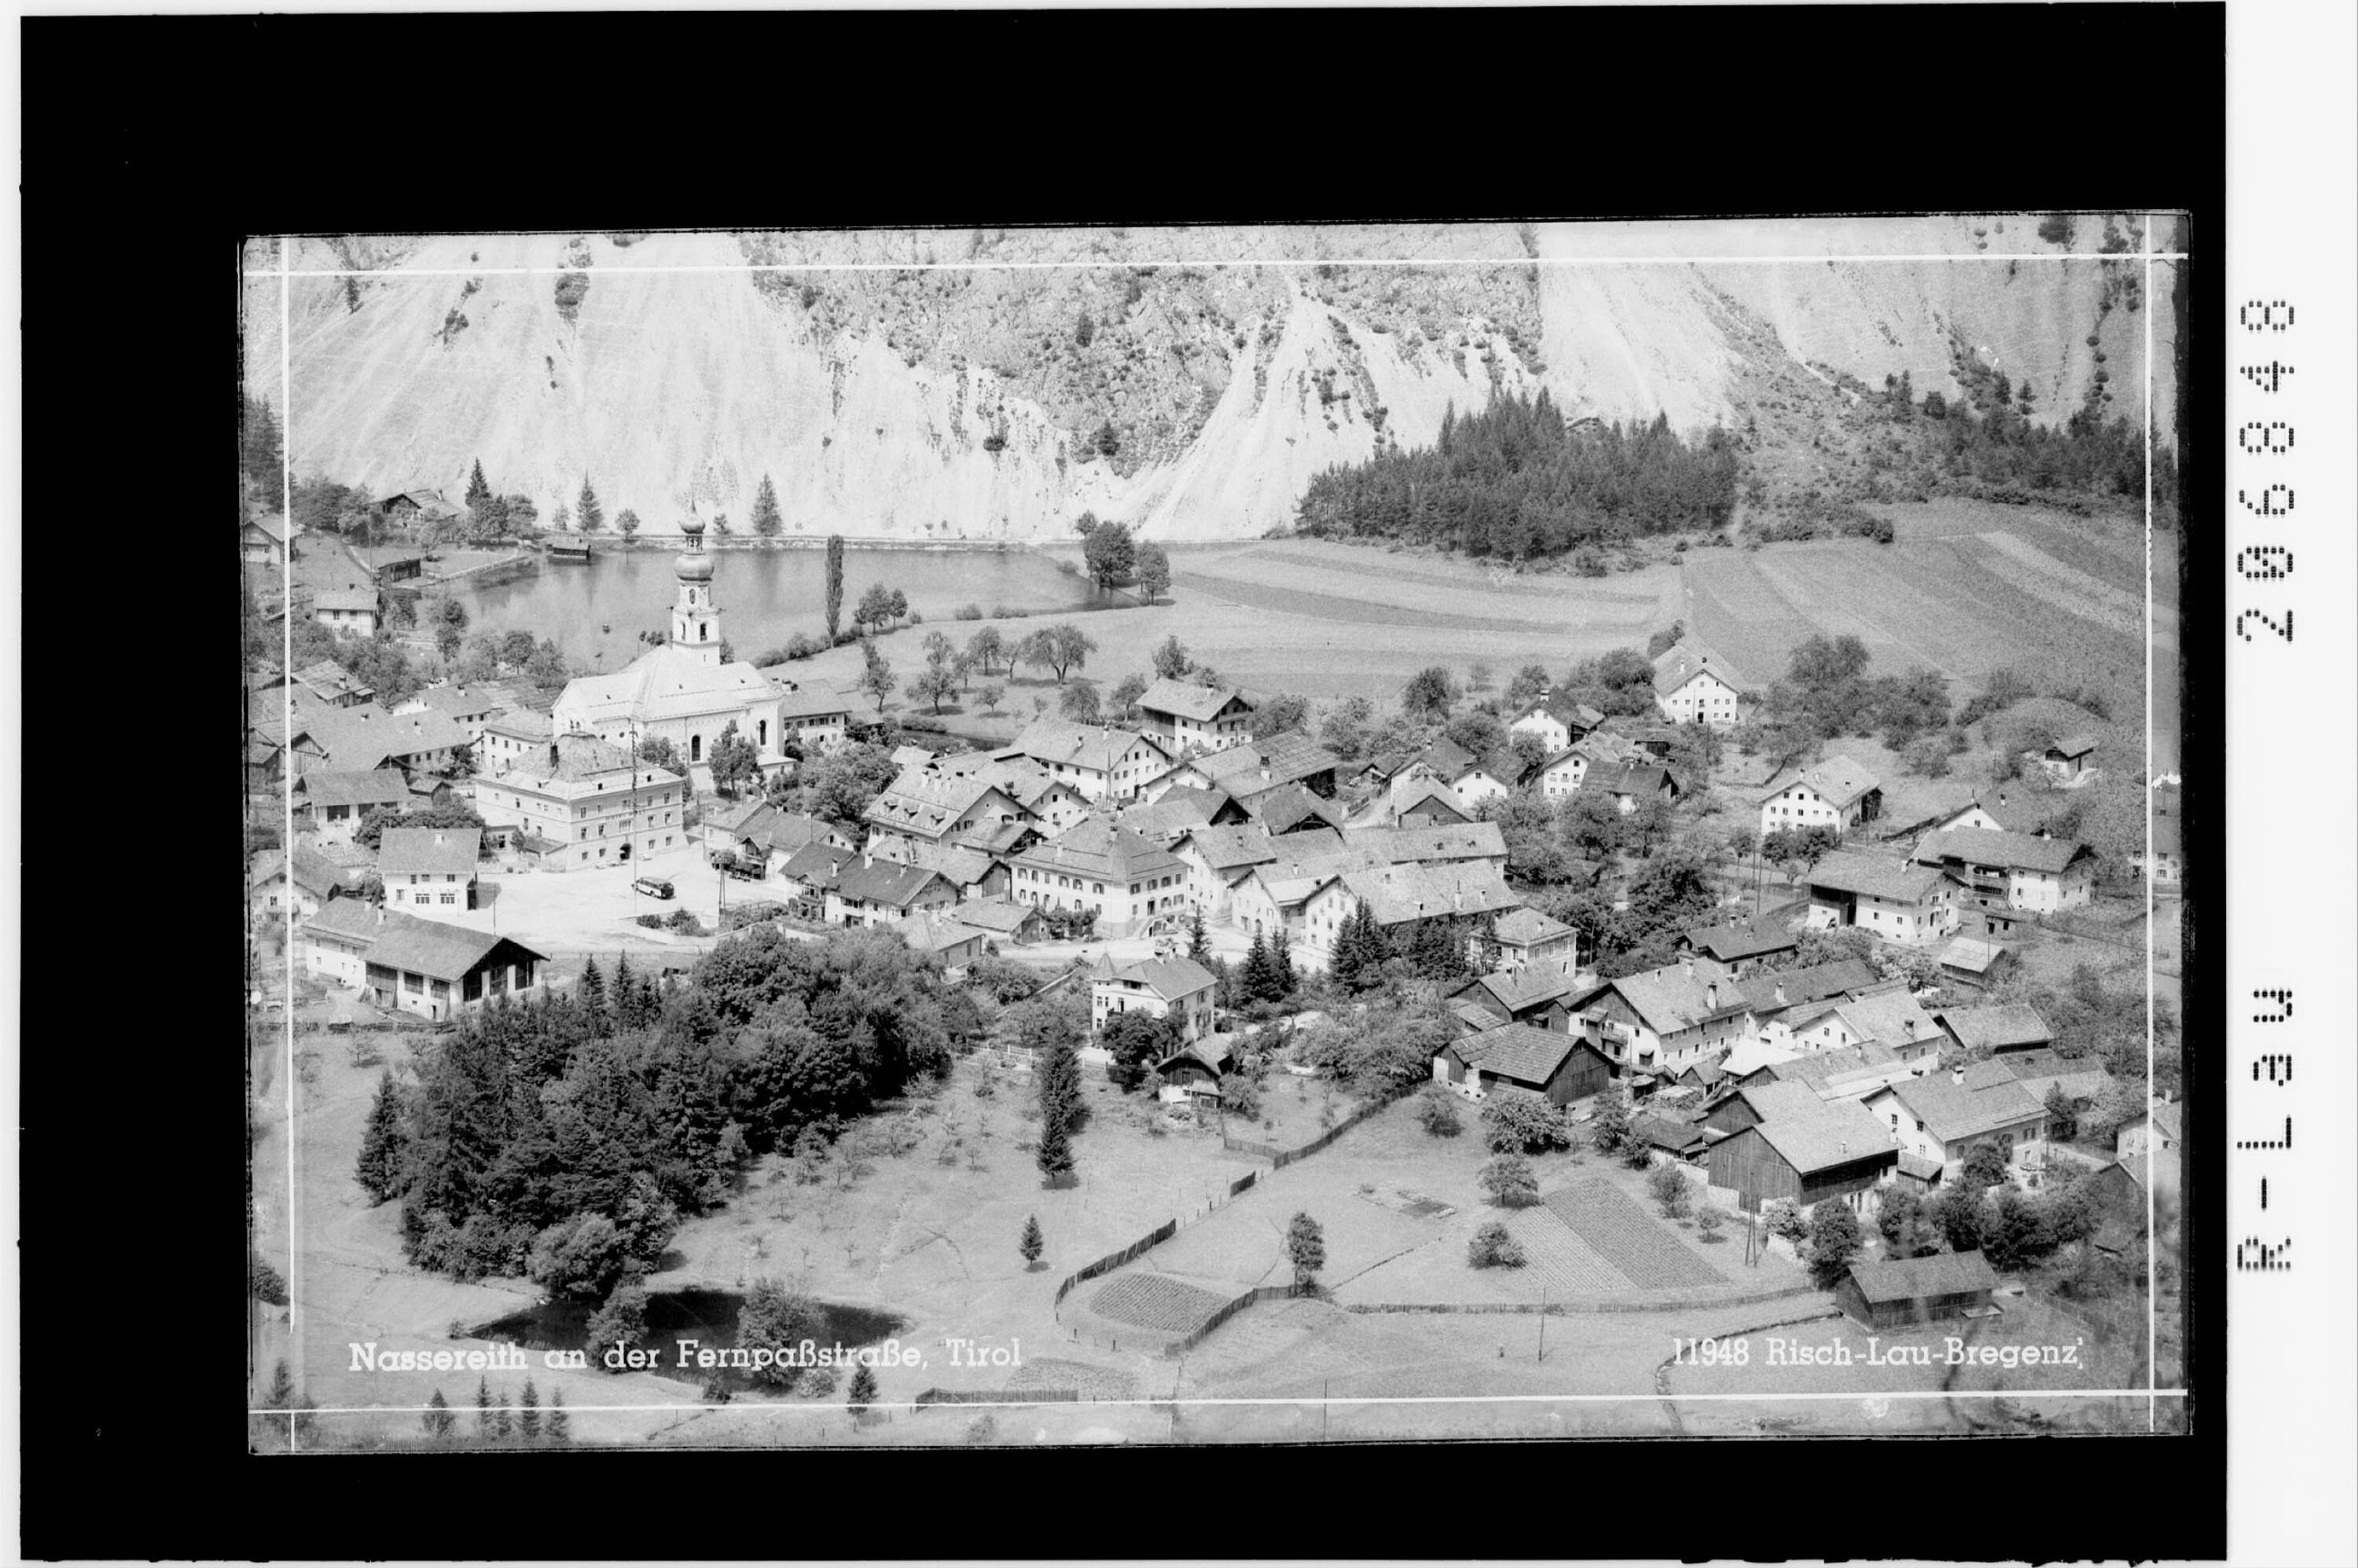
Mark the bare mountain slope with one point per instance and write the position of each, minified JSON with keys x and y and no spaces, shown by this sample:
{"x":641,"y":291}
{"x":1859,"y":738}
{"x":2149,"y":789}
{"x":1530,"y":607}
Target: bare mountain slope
{"x":973,"y":385}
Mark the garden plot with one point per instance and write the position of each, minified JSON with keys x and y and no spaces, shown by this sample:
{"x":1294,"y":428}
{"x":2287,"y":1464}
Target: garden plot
{"x":1625,"y":1236}
{"x":1405,"y":1200}
{"x":1560,"y":1259}
{"x":1152,"y":1301}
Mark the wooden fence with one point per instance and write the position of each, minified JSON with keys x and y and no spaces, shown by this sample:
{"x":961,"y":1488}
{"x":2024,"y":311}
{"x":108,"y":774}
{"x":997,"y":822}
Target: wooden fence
{"x":1112,"y":1261}
{"x":999,"y":1395}
{"x":1684,"y":1301}
{"x":1258,"y":1295}
{"x":1281,"y":1158}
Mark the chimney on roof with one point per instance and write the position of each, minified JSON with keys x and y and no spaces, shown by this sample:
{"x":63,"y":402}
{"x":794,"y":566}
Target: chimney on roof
{"x":1780,"y":993}
{"x":1688,"y":962}
{"x":1957,"y":1075}
{"x":1710,"y":996}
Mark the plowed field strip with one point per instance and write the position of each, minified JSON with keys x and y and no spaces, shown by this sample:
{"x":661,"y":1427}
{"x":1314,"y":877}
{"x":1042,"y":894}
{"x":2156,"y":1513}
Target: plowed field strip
{"x":1361,"y":612}
{"x":1627,"y":1236}
{"x":2069,"y":589}
{"x":1560,"y":1257}
{"x":1149,"y":1300}
{"x":1466,"y":576}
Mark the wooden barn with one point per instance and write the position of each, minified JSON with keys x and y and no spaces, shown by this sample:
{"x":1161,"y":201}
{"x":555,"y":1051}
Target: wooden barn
{"x":1559,"y":1068}
{"x":1197,"y":1071}
{"x":1900,"y":1292}
{"x":1802,"y":1148}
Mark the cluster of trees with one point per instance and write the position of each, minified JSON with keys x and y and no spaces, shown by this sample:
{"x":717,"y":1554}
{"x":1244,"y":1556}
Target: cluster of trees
{"x":1389,"y":1048}
{"x":1983,"y":1211}
{"x":1443,"y":949}
{"x":563,"y":1139}
{"x":261,"y":452}
{"x":453,"y":813}
{"x":500,"y":1422}
{"x":1827,"y":693}
{"x":1515,"y":480}
{"x":1671,"y":892}
{"x":1112,"y":555}
{"x":1984,"y":443}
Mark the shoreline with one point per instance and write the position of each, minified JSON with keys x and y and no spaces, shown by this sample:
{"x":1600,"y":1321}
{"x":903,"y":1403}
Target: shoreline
{"x":670,"y":543}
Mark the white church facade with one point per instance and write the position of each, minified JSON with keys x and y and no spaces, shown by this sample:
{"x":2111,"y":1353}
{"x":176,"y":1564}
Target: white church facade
{"x":682,"y":692}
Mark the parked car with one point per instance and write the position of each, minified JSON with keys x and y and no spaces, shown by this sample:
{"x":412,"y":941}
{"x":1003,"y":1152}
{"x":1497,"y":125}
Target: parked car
{"x":654,"y":887}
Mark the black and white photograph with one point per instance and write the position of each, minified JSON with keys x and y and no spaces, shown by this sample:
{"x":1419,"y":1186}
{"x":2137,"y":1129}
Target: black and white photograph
{"x":1258,"y":834}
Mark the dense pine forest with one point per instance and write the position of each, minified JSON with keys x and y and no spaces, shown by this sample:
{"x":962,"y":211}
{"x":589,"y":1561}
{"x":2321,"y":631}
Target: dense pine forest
{"x":1515,"y":480}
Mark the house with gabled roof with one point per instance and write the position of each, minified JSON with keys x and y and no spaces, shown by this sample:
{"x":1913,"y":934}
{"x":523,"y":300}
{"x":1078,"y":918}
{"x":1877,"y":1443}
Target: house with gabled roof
{"x":1629,"y":785}
{"x":1099,"y":865}
{"x":1450,"y":842}
{"x":1837,"y":794}
{"x":585,"y":803}
{"x":2148,"y":1144}
{"x":353,"y":609}
{"x":1943,"y":1115}
{"x":333,"y":803}
{"x":1849,"y":1072}
{"x":1888,"y":1295}
{"x":1177,"y":988}
{"x":1413,"y":800}
{"x":1187,"y":717}
{"x":1539,"y":995}
{"x":1802,"y":1148}
{"x":1217,"y":859}
{"x":1098,"y":762}
{"x":1181,"y":810}
{"x":1890,"y":1017}
{"x":470,"y":707}
{"x":1744,"y":945}
{"x":1659,"y":1020}
{"x":1493,"y":777}
{"x":1529,"y":939}
{"x":943,"y":936}
{"x":1249,"y":769}
{"x":1520,"y":1059}
{"x":2012,"y":870}
{"x":1290,"y":809}
{"x":265,"y":541}
{"x":871,"y":892}
{"x":1999,"y":1029}
{"x":326,"y":683}
{"x":430,"y":967}
{"x":1772,"y":993}
{"x":1694,"y":686}
{"x":930,"y":806}
{"x":809,"y":873}
{"x":2005,"y":811}
{"x":2165,"y":866}
{"x":1897,"y":901}
{"x":300,"y":883}
{"x":2071,"y":762}
{"x":1561,"y":775}
{"x":423,"y":867}
{"x":1556,"y":718}
{"x":1401,"y":897}
{"x":1004,"y":921}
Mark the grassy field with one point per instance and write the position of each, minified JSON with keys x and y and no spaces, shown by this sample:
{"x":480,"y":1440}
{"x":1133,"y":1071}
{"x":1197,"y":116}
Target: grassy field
{"x":1965,"y":587}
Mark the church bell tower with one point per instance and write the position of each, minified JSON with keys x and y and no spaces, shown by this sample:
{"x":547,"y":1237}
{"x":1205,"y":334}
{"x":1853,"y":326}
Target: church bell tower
{"x":695,"y":619}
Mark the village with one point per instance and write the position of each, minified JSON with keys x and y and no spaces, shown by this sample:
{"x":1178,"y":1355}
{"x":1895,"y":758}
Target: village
{"x":1216,"y":900}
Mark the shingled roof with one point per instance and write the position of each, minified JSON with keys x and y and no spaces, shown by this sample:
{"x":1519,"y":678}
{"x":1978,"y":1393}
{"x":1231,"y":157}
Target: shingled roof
{"x":1669,"y":999}
{"x":1170,"y":978}
{"x":1815,"y":1134}
{"x":1527,"y":927}
{"x":1094,"y":747}
{"x":1837,"y":781}
{"x":1445,"y":841}
{"x":1563,"y":709}
{"x":1187,"y":699}
{"x":434,"y":948}
{"x":1805,"y":985}
{"x":1877,"y":876}
{"x":378,"y":786}
{"x":1988,"y":846}
{"x":429,"y":851}
{"x":1914,"y":1279}
{"x":1990,"y":1097}
{"x":1740,"y":939}
{"x":1398,"y":894}
{"x":1232,"y":849}
{"x":2001,"y":1027}
{"x":1686,"y":659}
{"x":888,"y":883}
{"x":1102,"y":850}
{"x":1516,"y":1051}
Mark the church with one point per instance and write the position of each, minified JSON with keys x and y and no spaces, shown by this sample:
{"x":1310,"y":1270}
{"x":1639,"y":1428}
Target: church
{"x":684,"y":693}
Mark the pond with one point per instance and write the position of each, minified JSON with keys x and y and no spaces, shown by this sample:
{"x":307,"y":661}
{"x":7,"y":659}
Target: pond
{"x":596,"y":610}
{"x":708,"y":1317}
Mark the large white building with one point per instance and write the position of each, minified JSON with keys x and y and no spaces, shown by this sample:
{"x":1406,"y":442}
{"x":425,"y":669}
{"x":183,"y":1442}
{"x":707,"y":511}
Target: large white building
{"x":592,"y":800}
{"x":684,"y":693}
{"x":1694,"y":686}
